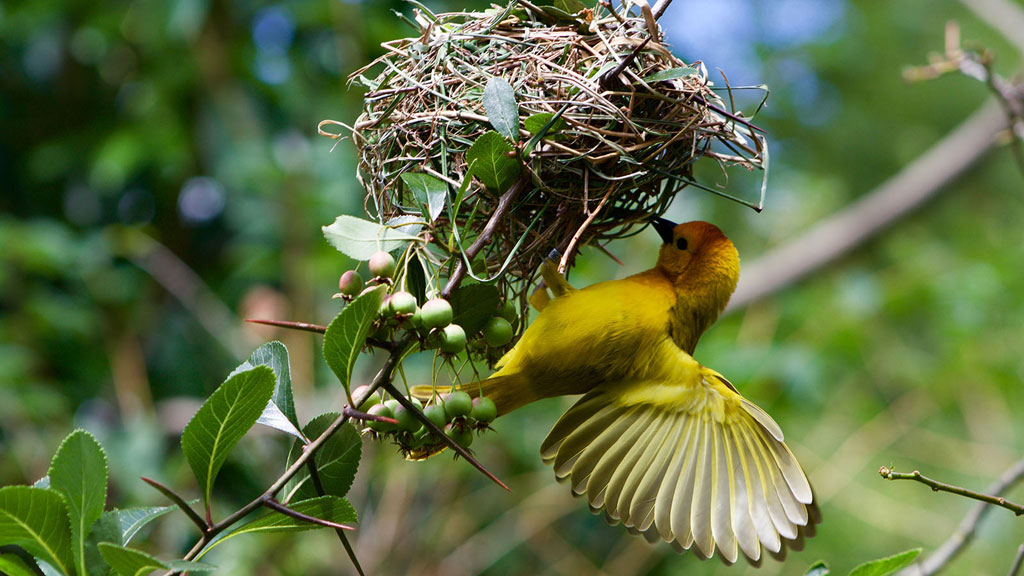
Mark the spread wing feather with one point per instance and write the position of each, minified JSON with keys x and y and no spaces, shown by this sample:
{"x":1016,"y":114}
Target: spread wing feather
{"x":698,"y":478}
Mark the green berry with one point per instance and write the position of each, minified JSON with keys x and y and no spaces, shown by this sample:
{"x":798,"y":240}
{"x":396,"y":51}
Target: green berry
{"x":371,"y":400}
{"x":497,"y":332}
{"x":407,"y":419}
{"x":416,"y":320}
{"x":463,"y":436}
{"x":381,"y":410}
{"x":484,"y":410}
{"x":403,"y":302}
{"x":386,"y":309}
{"x":382,"y":264}
{"x":509,"y":311}
{"x":453,"y":339}
{"x":436,"y":414}
{"x":350,"y":283}
{"x":436,"y":313}
{"x":457,"y":404}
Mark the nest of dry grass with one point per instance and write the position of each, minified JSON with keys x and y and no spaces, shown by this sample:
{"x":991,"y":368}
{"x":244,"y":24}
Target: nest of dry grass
{"x":625,"y":122}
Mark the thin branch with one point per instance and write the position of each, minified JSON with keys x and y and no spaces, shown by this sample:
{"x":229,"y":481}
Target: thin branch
{"x":318,"y":485}
{"x":354,"y":414}
{"x":504,"y":203}
{"x":1017,"y":561}
{"x":659,"y":8}
{"x":837,"y":235}
{"x":303,"y":326}
{"x":174,"y":497}
{"x":276,"y":506}
{"x":937,"y":486}
{"x":965,"y":531}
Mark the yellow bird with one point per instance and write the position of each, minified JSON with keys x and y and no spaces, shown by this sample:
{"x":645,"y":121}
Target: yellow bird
{"x":660,"y":443}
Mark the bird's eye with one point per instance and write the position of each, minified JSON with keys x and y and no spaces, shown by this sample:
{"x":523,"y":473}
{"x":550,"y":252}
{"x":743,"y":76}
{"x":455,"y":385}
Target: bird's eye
{"x":681,"y":243}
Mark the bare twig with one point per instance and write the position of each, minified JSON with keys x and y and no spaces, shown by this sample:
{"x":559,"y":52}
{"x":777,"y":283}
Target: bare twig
{"x":504,"y":203}
{"x":304,"y":326}
{"x":937,"y":486}
{"x":177,"y":499}
{"x":659,"y":7}
{"x":965,"y":531}
{"x":276,"y":506}
{"x":318,"y":485}
{"x":1017,"y":561}
{"x":893,"y":199}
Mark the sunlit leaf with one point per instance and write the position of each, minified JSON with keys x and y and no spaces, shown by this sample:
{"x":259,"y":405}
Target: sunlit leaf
{"x":13,"y":565}
{"x":280,"y":412}
{"x":37,"y":520}
{"x":78,"y":472}
{"x":670,"y":74}
{"x":347,"y":333}
{"x":359,"y":239}
{"x":222,"y":421}
{"x":887,"y":565}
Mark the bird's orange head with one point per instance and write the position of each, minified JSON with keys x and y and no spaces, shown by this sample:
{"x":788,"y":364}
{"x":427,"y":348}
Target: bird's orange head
{"x":700,"y":261}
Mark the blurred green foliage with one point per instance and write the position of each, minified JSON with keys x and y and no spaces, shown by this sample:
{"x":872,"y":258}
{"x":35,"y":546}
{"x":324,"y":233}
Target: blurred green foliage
{"x":132,"y":131}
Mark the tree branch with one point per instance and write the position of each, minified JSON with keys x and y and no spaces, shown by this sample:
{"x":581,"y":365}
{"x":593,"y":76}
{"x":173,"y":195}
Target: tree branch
{"x":937,"y":486}
{"x":893,"y":199}
{"x":965,"y":531}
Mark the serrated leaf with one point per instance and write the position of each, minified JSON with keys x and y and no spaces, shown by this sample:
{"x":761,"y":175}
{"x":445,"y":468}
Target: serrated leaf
{"x":502,"y":110}
{"x":359,"y":239}
{"x":887,"y":565}
{"x":534,"y":124}
{"x":337,"y":460}
{"x":670,"y":74}
{"x":491,"y":162}
{"x":429,"y":191}
{"x":78,"y":472}
{"x":37,"y":520}
{"x":346,"y":334}
{"x":473,"y":305}
{"x":331,"y":508}
{"x":12,"y":565}
{"x":819,"y":568}
{"x":222,"y":421}
{"x":129,"y":521}
{"x":280,"y":411}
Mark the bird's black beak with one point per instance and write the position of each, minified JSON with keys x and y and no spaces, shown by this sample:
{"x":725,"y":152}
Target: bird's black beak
{"x":664,"y":228}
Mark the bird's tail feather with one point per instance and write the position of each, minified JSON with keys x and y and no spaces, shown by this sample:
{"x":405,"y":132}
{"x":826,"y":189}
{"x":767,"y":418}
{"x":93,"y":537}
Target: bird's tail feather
{"x":508,"y":392}
{"x":682,"y":477}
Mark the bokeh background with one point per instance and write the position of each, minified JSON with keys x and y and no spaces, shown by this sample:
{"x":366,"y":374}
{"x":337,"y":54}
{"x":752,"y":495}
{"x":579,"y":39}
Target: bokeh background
{"x":162,"y":178}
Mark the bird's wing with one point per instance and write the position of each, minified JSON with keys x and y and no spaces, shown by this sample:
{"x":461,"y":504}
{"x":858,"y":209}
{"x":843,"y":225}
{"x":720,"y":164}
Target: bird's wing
{"x":687,"y":461}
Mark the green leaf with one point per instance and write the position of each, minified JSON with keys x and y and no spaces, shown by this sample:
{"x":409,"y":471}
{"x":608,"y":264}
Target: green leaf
{"x":78,"y":472}
{"x":489,"y":156}
{"x":280,"y":412}
{"x":13,"y":565}
{"x":430,"y":192}
{"x":819,"y":568}
{"x":416,"y":278}
{"x":330,"y":508}
{"x":670,"y":74}
{"x":887,"y":565}
{"x":337,"y":460}
{"x":222,"y":421}
{"x":359,"y":239}
{"x":186,"y":566}
{"x":128,"y":561}
{"x":37,"y":520}
{"x":347,"y":333}
{"x":502,"y":110}
{"x":473,"y":305}
{"x":534,"y":124}
{"x":129,"y":521}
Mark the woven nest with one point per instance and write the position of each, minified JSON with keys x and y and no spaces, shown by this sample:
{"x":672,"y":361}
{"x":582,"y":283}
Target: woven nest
{"x":633,"y":120}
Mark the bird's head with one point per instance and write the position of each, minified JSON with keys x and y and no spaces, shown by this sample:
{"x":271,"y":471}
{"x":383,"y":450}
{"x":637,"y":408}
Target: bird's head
{"x":699,"y":259}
